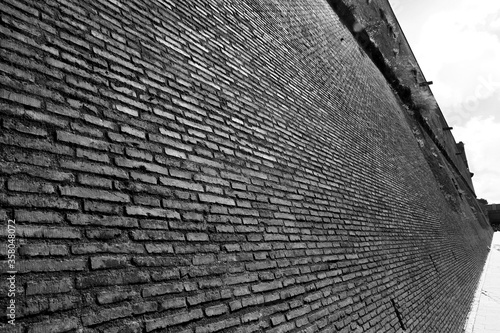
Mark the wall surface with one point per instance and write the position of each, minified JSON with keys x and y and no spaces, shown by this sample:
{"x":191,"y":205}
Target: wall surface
{"x":221,"y":166}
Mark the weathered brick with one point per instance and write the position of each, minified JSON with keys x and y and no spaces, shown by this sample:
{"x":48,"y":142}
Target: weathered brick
{"x":156,"y":235}
{"x":156,"y":212}
{"x":49,"y":287}
{"x":106,"y":248}
{"x":162,"y":289}
{"x":216,"y":200}
{"x":38,"y":201}
{"x":101,"y":207}
{"x":94,"y":168}
{"x":51,"y":265}
{"x":106,"y":262}
{"x":106,"y":234}
{"x":124,"y":277}
{"x":216,"y":310}
{"x":105,"y":315}
{"x":159,"y":248}
{"x":95,"y":181}
{"x":55,"y":326}
{"x":173,"y":319}
{"x":38,"y":216}
{"x":101,"y":220}
{"x":48,"y":232}
{"x":33,"y":250}
{"x":82,"y":141}
{"x":20,"y":98}
{"x":83,"y":192}
{"x":181,"y":184}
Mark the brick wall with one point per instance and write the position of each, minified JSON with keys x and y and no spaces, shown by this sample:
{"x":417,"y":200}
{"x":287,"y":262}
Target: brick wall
{"x":206,"y":166}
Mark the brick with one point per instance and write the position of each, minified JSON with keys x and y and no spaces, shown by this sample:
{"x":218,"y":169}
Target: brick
{"x":145,"y":307}
{"x":106,"y":262}
{"x":134,"y":132}
{"x":48,"y":232}
{"x":162,"y":289}
{"x":95,"y":181}
{"x":101,"y":207}
{"x":82,"y":141}
{"x":34,"y":250}
{"x":159,"y":248}
{"x":21,"y":185}
{"x":139,"y":154}
{"x":98,"y":157}
{"x":218,"y":326}
{"x":51,"y":265}
{"x":173,"y":319}
{"x":38,"y":216}
{"x":156,"y":235}
{"x":91,"y":248}
{"x":216,"y":200}
{"x":125,"y":277}
{"x":106,"y":234}
{"x":83,"y":192}
{"x":105,"y":315}
{"x":181,"y":184}
{"x":216,"y":310}
{"x":155,"y":212}
{"x":55,"y":326}
{"x":20,"y":98}
{"x":35,"y":143}
{"x":101,"y":220}
{"x":94,"y":168}
{"x":174,"y":303}
{"x":49,"y":287}
{"x":38,"y":201}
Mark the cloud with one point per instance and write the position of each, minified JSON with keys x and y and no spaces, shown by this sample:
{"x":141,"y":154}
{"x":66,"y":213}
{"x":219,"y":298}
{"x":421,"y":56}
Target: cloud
{"x":457,"y":45}
{"x":481,"y":136}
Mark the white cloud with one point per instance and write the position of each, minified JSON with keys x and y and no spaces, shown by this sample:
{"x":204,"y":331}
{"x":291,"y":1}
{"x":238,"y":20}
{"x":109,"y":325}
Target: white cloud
{"x":458,"y":52}
{"x":457,"y":45}
{"x":481,"y":137}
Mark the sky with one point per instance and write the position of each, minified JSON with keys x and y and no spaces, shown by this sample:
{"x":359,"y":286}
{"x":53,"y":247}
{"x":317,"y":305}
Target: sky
{"x":457,"y":46}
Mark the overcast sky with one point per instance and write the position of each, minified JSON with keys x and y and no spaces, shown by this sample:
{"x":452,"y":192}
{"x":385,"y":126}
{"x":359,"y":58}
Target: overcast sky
{"x":457,"y":45}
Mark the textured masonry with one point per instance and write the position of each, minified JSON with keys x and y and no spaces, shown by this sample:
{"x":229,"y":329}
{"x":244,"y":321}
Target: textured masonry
{"x":223,"y":166}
